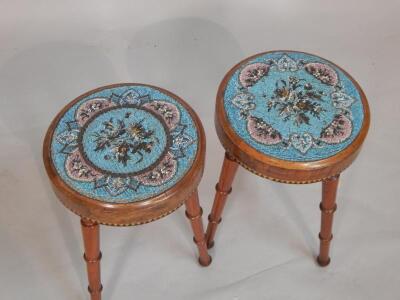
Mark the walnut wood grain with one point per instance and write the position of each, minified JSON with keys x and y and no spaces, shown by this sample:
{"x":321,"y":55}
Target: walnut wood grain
{"x":223,"y":189}
{"x":194,"y":213}
{"x":328,"y":208}
{"x":92,"y":256}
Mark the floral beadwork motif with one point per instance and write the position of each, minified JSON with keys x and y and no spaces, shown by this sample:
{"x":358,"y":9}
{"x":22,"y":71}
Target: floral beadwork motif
{"x":293,"y":106}
{"x":296,"y":100}
{"x":124,"y":144}
{"x":124,"y":140}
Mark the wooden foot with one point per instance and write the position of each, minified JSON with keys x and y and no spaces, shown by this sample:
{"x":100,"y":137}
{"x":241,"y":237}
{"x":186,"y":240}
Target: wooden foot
{"x":194,"y":213}
{"x":92,"y":256}
{"x":223,"y":189}
{"x":328,"y":208}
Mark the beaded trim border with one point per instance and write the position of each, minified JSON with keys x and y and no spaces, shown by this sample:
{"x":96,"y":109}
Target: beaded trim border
{"x":130,"y":224}
{"x":231,"y":157}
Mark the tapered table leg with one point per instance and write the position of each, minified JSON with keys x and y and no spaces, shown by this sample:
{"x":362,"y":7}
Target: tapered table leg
{"x":223,"y":189}
{"x":194,"y":213}
{"x":328,"y":208}
{"x":92,"y":256}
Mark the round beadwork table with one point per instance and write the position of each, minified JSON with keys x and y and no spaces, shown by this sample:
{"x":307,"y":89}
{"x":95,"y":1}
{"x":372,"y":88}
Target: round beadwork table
{"x":126,"y":154}
{"x":291,"y":117}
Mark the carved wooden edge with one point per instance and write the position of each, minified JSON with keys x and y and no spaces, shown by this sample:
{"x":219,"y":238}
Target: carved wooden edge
{"x":280,"y":180}
{"x":282,"y":170}
{"x":135,"y":213}
{"x":127,"y":224}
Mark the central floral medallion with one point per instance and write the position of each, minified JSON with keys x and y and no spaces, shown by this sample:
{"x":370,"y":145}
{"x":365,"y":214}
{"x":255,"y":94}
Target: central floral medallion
{"x":124,"y":140}
{"x":296,"y":100}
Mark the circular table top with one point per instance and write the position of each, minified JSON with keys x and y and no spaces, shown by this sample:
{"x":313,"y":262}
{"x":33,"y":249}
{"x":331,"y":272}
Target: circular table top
{"x":124,"y":144}
{"x":291,"y":107}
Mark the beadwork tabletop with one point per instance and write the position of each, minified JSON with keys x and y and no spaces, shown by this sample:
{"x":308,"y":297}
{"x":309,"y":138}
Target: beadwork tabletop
{"x":293,"y":106}
{"x":124,"y":144}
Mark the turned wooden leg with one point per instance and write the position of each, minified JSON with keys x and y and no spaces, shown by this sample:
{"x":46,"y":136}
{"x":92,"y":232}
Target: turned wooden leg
{"x":92,"y":256}
{"x":328,"y":207}
{"x":194,"y":213}
{"x":223,"y":189}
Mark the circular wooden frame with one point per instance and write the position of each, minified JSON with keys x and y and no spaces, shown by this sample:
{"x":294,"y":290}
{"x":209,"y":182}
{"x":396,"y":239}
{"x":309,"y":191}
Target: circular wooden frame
{"x":135,"y":213}
{"x":278,"y":169}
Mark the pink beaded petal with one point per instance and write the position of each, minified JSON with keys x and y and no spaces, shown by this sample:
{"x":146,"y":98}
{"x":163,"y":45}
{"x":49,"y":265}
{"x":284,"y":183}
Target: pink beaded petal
{"x":337,"y":131}
{"x":169,"y":112}
{"x":91,"y":107}
{"x":77,"y":169}
{"x":322,"y":72}
{"x":253,"y":73}
{"x":163,"y":172}
{"x":262,"y":132}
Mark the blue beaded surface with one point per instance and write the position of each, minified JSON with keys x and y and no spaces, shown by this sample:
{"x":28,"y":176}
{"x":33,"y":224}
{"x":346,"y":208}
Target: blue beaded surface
{"x":124,"y":144}
{"x":293,"y":106}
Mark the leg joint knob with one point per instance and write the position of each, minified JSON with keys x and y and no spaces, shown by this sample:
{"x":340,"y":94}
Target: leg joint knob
{"x":212,"y":221}
{"x":193,"y":218}
{"x":92,"y":261}
{"x":224,"y":193}
{"x":95,"y":291}
{"x":325,"y":240}
{"x":326,"y":210}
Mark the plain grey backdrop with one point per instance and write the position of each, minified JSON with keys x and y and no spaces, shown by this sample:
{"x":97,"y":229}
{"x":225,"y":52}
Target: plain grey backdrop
{"x":53,"y":51}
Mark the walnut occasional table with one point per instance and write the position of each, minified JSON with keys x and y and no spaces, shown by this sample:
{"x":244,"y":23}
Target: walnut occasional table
{"x":291,"y":117}
{"x":122,"y":155}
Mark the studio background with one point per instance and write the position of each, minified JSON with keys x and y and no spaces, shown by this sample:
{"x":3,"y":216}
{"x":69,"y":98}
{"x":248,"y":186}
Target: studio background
{"x":53,"y":51}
